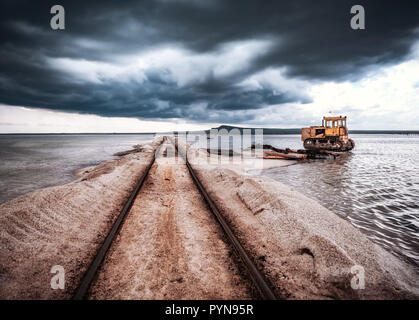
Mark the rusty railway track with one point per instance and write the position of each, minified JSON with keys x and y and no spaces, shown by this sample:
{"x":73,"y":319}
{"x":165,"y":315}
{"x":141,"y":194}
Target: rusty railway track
{"x":256,"y":276}
{"x":88,"y":277}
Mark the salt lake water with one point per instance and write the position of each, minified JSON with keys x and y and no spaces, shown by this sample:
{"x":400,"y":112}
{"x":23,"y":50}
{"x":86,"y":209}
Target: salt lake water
{"x":29,"y":162}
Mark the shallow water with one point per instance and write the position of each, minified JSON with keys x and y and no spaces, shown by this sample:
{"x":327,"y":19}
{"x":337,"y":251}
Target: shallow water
{"x":29,"y":162}
{"x":375,"y":187}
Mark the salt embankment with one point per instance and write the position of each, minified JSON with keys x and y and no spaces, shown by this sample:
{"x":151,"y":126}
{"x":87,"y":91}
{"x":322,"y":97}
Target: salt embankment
{"x":306,"y":251}
{"x":63,"y":225}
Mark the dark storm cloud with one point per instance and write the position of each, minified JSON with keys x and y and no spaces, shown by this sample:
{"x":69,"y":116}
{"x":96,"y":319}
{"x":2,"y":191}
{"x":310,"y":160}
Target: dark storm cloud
{"x":310,"y":39}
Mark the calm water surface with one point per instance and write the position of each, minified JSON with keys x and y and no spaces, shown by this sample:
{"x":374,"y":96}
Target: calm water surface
{"x":29,"y":162}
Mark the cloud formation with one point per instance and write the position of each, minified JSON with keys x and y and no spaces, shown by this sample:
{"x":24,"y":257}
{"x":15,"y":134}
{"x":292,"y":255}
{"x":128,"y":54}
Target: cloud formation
{"x":204,"y":61}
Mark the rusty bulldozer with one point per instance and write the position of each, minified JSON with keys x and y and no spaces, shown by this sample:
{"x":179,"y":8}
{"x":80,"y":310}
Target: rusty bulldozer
{"x":332,"y":135}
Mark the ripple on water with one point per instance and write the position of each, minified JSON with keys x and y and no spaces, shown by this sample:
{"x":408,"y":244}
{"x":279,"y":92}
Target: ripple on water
{"x":375,"y":187}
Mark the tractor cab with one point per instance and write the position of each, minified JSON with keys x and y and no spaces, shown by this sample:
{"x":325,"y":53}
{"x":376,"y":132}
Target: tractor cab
{"x":335,"y":126}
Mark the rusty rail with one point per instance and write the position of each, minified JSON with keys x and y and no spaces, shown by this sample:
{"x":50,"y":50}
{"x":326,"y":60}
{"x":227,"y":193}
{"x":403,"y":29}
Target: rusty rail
{"x":257,"y":277}
{"x":88,"y":277}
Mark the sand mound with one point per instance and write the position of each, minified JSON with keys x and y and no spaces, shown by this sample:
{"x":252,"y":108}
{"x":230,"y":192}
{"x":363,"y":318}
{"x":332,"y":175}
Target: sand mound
{"x":145,"y":147}
{"x":64,"y":226}
{"x":307,"y":251}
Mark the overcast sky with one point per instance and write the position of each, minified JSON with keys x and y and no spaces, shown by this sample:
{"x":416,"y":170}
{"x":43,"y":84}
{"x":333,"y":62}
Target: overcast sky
{"x":138,"y":66}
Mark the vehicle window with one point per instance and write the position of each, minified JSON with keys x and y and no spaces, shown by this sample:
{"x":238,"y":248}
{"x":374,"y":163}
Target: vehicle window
{"x":329,"y":124}
{"x":335,"y":124}
{"x":340,"y":123}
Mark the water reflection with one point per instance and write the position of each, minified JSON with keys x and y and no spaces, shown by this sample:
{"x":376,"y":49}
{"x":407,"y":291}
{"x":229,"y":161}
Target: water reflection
{"x":375,"y":187}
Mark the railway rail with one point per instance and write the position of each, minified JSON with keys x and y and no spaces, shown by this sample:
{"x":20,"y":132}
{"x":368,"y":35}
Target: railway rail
{"x":256,"y":276}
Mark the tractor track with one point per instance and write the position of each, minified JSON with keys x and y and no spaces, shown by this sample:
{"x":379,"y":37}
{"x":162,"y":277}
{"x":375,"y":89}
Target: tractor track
{"x":251,"y":271}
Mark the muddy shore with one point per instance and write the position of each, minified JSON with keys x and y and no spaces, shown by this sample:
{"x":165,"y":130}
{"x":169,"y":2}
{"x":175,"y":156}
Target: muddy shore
{"x":170,"y":247}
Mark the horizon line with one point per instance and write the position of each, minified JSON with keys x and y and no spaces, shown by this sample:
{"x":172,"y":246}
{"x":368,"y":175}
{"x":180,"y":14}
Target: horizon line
{"x":416,"y":131}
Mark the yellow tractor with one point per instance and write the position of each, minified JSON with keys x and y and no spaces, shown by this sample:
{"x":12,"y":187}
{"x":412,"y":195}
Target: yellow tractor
{"x":332,"y":135}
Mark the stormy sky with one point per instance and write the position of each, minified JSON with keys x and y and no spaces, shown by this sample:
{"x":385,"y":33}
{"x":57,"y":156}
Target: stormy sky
{"x":165,"y":64}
